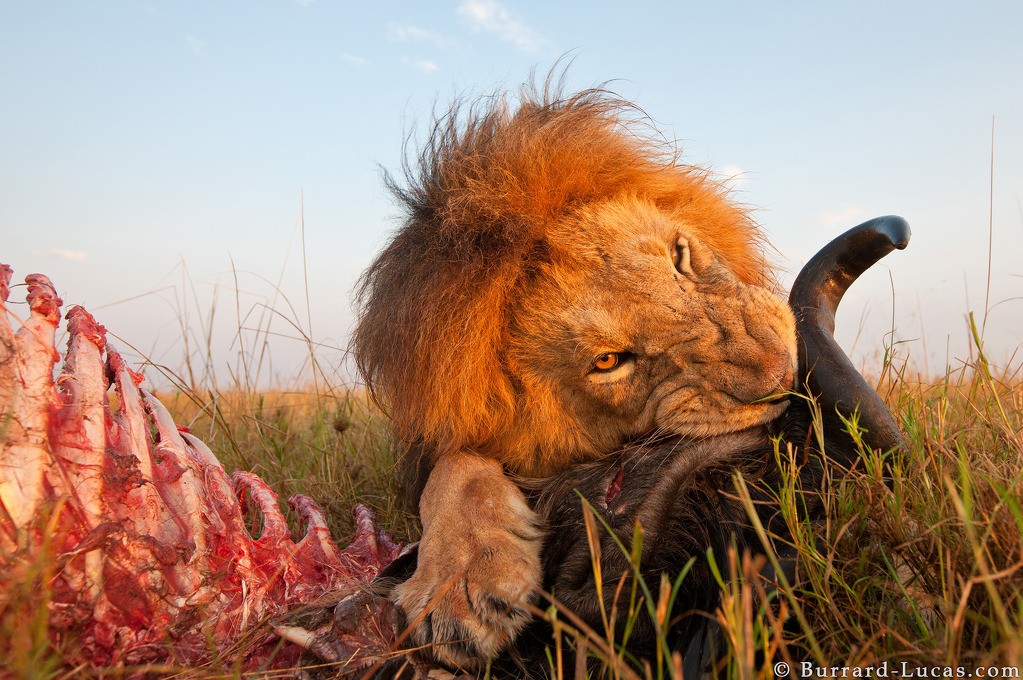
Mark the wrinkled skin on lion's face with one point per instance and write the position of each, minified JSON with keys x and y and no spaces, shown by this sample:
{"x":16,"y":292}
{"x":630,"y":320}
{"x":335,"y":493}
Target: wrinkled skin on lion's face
{"x":639,"y":328}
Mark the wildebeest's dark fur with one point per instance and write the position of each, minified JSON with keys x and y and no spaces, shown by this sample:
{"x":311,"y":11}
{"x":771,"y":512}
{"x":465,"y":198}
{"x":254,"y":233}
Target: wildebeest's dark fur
{"x":683,"y":495}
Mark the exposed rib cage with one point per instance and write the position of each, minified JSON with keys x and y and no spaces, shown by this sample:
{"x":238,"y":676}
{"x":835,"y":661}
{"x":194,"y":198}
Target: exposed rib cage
{"x":153,"y":560}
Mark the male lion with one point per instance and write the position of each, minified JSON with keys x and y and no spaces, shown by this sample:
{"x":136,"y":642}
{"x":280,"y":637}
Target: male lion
{"x":561,"y":284}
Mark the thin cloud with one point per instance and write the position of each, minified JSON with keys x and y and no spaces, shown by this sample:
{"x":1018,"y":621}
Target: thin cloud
{"x":424,"y":65}
{"x":303,"y":3}
{"x":354,"y":60}
{"x":66,"y":254}
{"x":197,"y":44}
{"x":843,"y":216}
{"x":733,"y":176}
{"x":415,"y":34}
{"x":490,"y":16}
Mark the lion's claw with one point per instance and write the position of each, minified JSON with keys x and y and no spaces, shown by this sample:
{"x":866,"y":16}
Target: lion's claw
{"x":479,"y":564}
{"x":460,"y":623}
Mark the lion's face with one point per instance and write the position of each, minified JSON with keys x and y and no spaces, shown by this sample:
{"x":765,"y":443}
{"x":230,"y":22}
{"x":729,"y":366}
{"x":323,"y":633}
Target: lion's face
{"x":638,"y":327}
{"x":562,"y":282}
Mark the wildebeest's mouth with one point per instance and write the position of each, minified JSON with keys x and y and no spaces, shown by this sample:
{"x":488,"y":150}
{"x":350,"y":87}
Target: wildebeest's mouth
{"x":614,"y":487}
{"x":674,"y":458}
{"x":644,"y":482}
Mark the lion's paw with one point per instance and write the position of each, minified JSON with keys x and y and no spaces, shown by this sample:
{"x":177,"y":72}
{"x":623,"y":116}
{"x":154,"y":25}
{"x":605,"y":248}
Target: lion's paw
{"x":478,"y":567}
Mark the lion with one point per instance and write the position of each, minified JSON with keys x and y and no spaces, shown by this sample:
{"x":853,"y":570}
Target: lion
{"x":562,"y":283}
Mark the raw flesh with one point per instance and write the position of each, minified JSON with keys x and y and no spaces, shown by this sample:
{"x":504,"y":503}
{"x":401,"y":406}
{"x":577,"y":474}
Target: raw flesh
{"x":148,"y":534}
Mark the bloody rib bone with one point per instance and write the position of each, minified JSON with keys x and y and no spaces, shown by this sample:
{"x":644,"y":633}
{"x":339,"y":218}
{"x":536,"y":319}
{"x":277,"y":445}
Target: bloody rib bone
{"x":154,"y":562}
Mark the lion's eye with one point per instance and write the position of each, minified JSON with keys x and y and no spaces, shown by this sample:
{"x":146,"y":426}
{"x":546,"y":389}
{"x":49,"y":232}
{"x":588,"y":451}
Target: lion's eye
{"x":605,"y":362}
{"x":681,"y":257}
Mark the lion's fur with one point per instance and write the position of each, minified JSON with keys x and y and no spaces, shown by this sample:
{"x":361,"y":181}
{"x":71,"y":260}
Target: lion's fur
{"x":536,"y":241}
{"x":483,"y":207}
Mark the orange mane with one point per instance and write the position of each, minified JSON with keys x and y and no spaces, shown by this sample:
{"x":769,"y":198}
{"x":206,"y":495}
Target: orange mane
{"x":479,"y":204}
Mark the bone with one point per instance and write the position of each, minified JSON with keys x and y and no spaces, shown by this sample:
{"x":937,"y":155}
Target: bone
{"x":155,"y":563}
{"x":300,"y":636}
{"x":180,"y":489}
{"x":79,"y":438}
{"x":323,"y":643}
{"x":221,"y":493}
{"x":365,"y":540}
{"x":143,"y":507}
{"x":316,"y":544}
{"x":30,"y":396}
{"x":12,"y":489}
{"x":8,"y":356}
{"x":275,"y":527}
{"x":273,"y":550}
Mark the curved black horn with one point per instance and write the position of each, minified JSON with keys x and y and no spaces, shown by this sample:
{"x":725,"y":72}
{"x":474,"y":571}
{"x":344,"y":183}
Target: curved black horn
{"x":823,"y":366}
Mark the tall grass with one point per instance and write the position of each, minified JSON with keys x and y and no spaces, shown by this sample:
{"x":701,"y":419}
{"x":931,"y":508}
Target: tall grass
{"x":922,"y":559}
{"x":919,"y":559}
{"x":310,"y":431}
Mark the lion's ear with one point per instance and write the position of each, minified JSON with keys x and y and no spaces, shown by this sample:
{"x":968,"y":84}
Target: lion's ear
{"x":726,"y":227}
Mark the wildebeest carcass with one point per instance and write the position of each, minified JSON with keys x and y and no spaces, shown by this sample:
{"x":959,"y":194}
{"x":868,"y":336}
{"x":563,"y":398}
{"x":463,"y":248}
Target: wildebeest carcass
{"x":136,"y":547}
{"x":682,"y":493}
{"x":150,"y":560}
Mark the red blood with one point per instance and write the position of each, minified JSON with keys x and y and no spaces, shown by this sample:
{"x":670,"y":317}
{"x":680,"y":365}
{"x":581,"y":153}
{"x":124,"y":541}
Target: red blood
{"x":155,"y":563}
{"x":614,"y":488}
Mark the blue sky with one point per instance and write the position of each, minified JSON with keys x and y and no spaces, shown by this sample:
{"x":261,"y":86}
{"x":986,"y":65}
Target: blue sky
{"x":154,"y":152}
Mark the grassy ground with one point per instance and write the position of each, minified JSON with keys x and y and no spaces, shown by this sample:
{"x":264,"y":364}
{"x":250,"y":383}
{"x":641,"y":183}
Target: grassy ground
{"x":332,"y":447}
{"x":924,"y":567}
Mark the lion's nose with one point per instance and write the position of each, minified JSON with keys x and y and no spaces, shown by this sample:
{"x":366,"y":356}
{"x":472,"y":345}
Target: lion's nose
{"x":774,"y":377}
{"x":788,"y":375}
{"x":783,"y":375}
{"x":781,"y":391}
